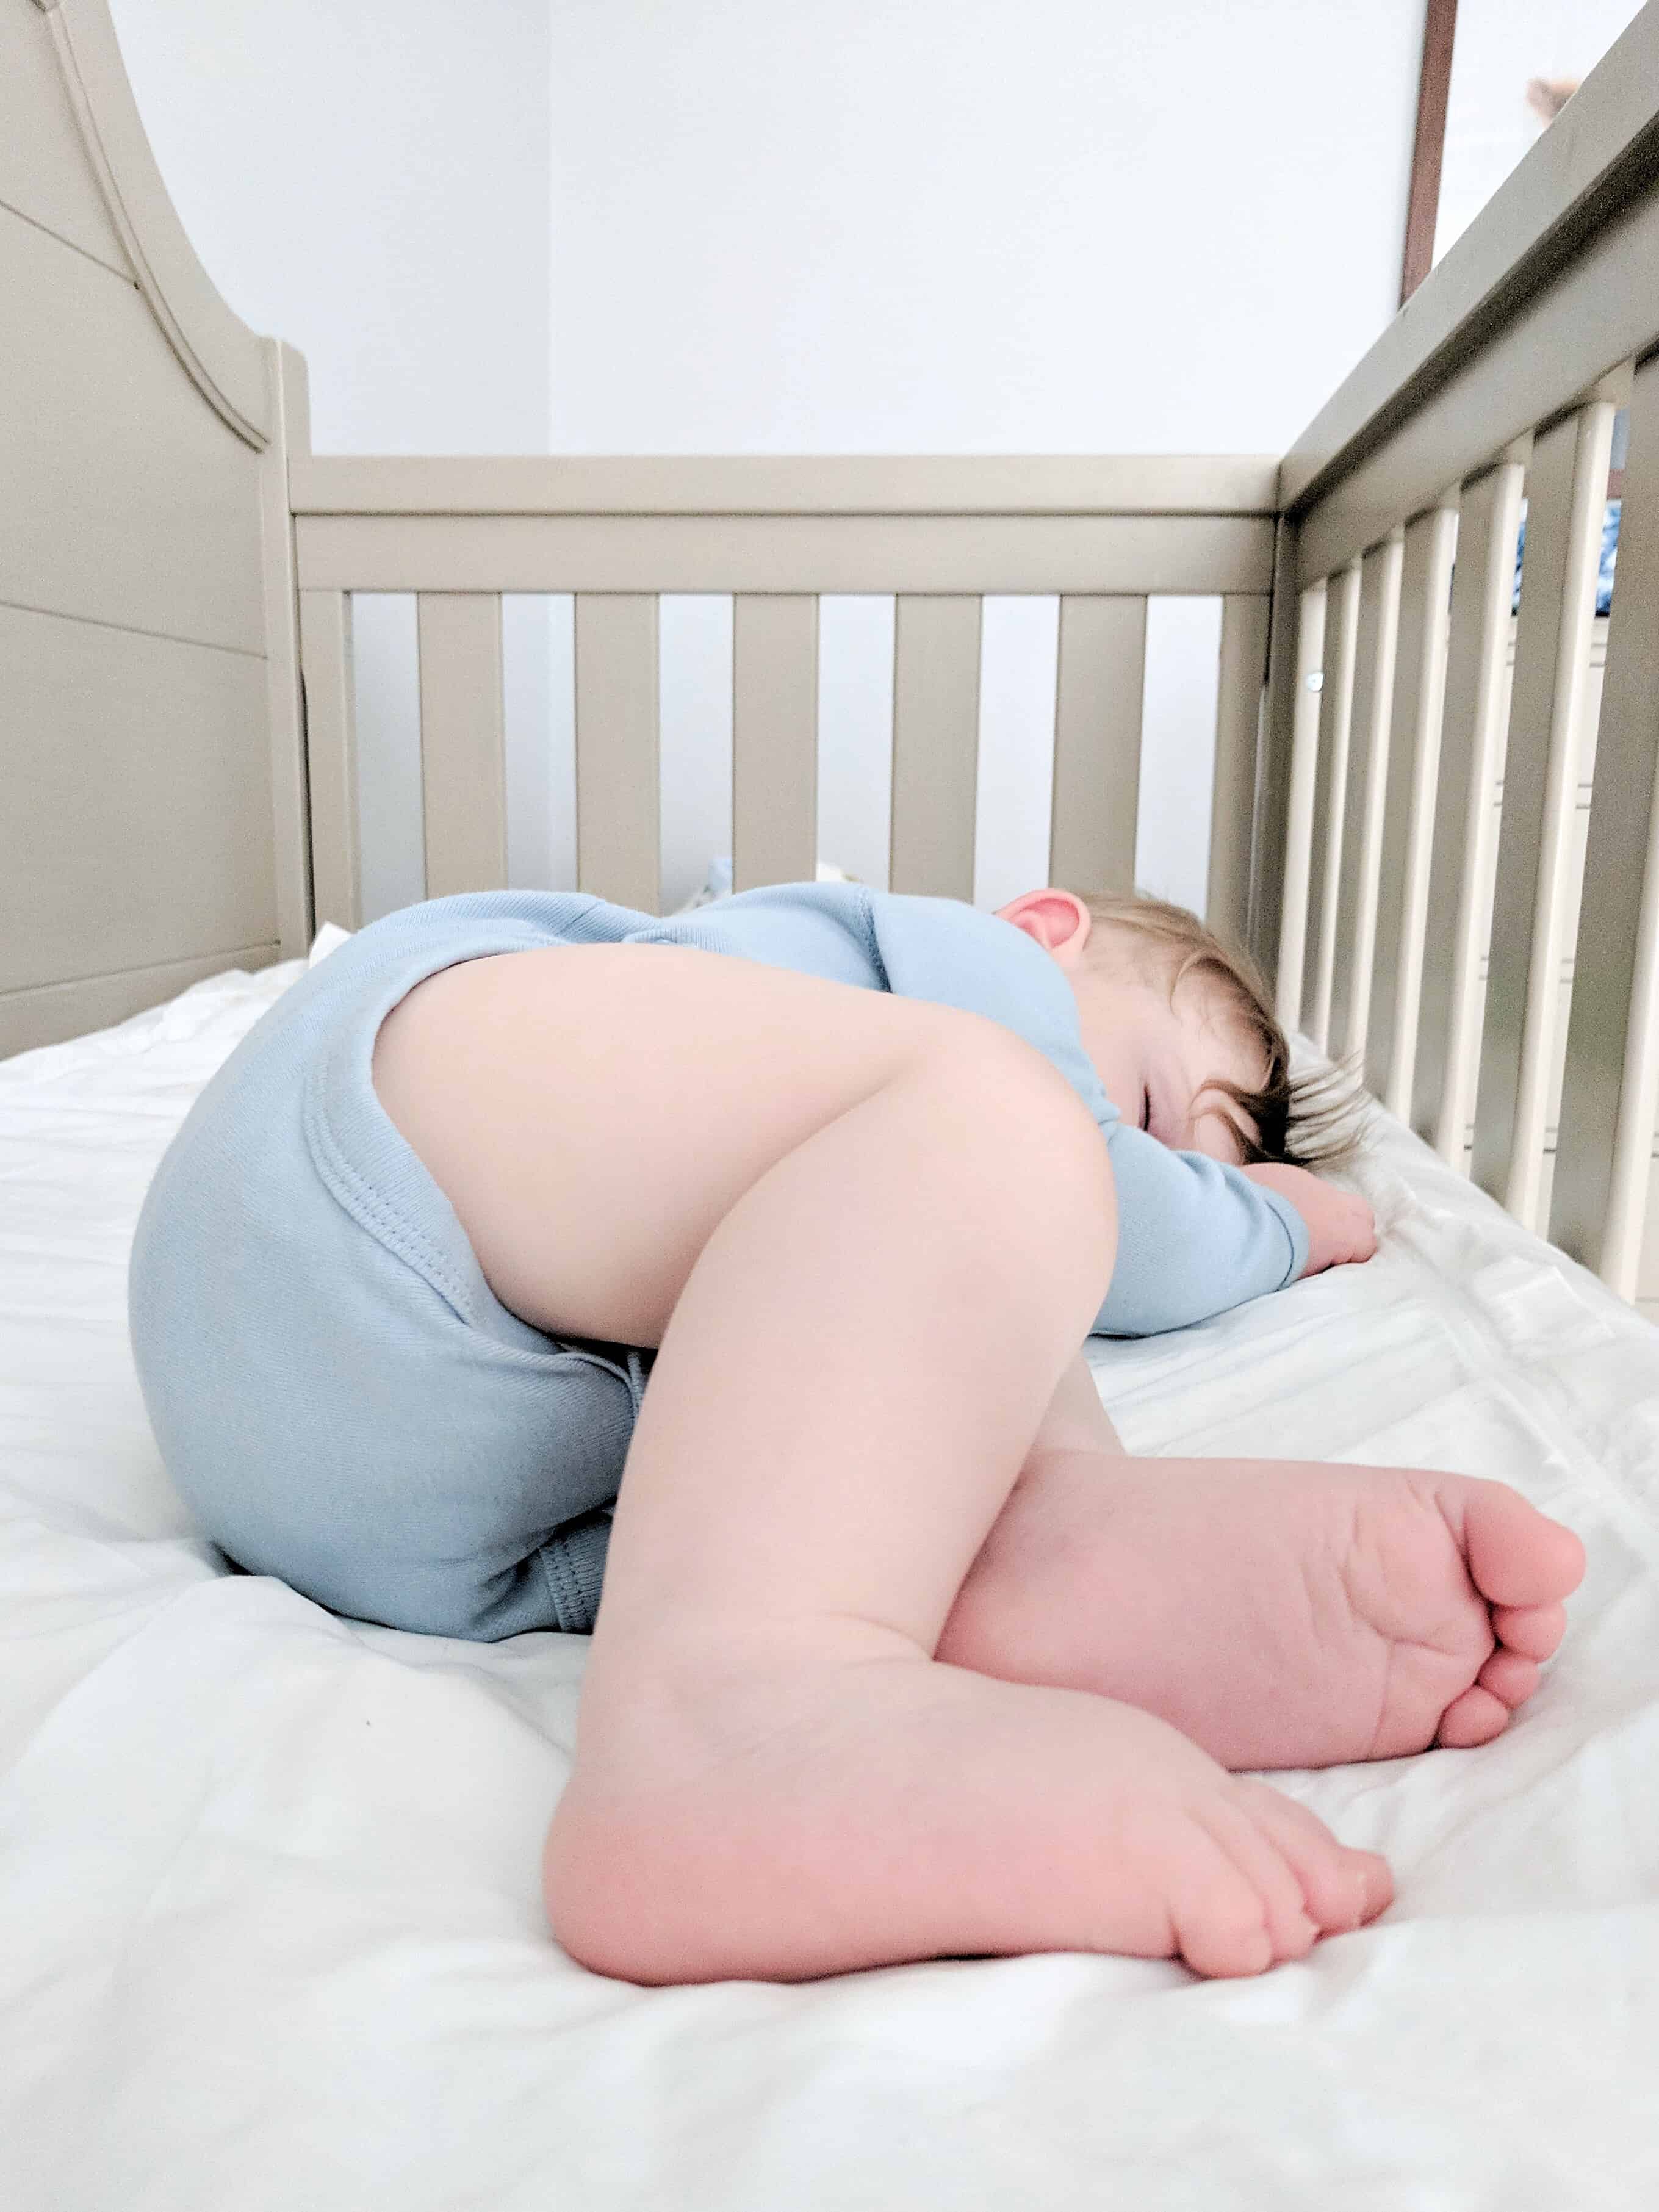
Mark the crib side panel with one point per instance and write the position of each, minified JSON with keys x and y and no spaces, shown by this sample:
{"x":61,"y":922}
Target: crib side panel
{"x":618,"y":735}
{"x":463,"y":741}
{"x":1239,"y":702}
{"x":331,"y":756}
{"x":1360,"y":854}
{"x":1294,"y":699}
{"x":1566,"y":488}
{"x":1471,"y":754}
{"x":1100,"y":679}
{"x":152,"y":752}
{"x":937,"y":536}
{"x":1489,"y":409}
{"x":1330,"y":797}
{"x":775,"y":738}
{"x":1610,"y":1091}
{"x":1413,"y":761}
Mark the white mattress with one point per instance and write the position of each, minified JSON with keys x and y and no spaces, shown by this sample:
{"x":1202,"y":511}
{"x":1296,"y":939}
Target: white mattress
{"x":270,"y":1932}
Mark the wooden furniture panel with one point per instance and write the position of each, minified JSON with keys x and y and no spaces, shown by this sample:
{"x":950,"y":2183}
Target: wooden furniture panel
{"x":155,"y":751}
{"x":129,"y":502}
{"x":44,"y":173}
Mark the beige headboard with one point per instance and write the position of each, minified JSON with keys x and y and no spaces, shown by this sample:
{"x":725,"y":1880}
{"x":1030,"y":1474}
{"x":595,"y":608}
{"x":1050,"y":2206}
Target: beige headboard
{"x":151,"y":748}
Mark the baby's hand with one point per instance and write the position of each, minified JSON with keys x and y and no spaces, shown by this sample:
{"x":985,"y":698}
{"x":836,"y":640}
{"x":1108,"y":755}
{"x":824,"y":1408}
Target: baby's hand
{"x":1340,"y":1227}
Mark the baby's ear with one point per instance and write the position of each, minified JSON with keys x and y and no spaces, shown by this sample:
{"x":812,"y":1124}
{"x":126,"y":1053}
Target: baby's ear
{"x":1058,"y":919}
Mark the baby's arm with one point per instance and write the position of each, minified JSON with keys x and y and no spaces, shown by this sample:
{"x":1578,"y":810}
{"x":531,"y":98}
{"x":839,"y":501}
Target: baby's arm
{"x":1340,"y":1227}
{"x":1197,"y":1237}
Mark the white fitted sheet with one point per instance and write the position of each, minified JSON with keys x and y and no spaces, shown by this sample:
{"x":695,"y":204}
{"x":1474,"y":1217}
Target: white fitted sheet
{"x":270,"y":1930}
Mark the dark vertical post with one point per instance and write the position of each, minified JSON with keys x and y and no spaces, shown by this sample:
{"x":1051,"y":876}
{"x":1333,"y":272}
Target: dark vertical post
{"x":1439,"y":25}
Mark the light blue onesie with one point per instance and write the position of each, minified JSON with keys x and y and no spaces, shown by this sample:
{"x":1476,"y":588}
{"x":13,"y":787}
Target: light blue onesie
{"x":337,"y":1391}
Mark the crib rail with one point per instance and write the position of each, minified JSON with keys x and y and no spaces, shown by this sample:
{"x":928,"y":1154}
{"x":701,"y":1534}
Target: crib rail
{"x":1396,"y":709}
{"x":1101,"y":535}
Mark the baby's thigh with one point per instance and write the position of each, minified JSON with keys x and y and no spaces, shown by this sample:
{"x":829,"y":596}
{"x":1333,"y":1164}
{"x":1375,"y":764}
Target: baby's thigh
{"x":592,"y":1112}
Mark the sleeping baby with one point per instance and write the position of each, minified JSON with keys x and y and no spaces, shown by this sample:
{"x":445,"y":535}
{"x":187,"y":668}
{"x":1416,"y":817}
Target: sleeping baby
{"x":734,"y":1270}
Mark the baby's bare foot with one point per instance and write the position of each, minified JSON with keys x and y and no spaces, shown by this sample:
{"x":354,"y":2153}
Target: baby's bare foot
{"x":1278,"y":1614}
{"x":779,"y":1815}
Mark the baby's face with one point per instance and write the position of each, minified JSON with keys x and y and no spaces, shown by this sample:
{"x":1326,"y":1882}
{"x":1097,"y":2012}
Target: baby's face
{"x":1158,"y":1059}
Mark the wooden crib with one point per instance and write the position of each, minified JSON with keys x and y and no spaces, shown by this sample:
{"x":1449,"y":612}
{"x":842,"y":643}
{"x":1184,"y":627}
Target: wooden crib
{"x":177,"y":572}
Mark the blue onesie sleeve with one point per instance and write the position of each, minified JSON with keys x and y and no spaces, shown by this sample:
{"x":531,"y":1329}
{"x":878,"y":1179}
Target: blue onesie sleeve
{"x":1195,"y":1237}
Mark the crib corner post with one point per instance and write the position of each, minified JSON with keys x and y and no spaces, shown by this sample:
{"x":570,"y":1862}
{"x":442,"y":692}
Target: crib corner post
{"x":328,"y":687}
{"x":1269,"y":825}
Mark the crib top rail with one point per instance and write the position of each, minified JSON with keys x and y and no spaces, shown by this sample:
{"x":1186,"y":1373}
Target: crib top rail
{"x":749,"y":483}
{"x":763,"y":524}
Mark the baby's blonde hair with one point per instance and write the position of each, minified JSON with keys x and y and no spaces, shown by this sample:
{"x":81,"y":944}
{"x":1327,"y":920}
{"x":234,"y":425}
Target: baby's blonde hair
{"x":1302,"y":1120}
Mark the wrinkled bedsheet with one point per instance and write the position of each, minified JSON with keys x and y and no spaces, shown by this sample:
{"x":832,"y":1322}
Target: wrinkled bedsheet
{"x":270,"y":1930}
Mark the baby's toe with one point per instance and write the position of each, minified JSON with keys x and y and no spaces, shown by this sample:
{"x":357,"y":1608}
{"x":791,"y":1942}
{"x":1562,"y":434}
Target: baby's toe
{"x":1518,"y":1556}
{"x":1509,"y":1676}
{"x":1219,"y":1922}
{"x":1475,"y":1717}
{"x":1343,"y":1888}
{"x":1533,"y":1630}
{"x":1270,"y":1874}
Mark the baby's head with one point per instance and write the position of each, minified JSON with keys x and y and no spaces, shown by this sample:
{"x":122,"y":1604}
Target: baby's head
{"x":1180,"y":1032}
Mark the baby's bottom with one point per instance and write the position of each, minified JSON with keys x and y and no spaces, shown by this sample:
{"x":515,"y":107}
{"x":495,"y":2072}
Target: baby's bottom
{"x":868,"y":1237}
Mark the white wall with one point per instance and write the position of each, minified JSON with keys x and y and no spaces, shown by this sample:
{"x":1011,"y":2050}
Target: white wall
{"x":368,"y":179}
{"x":953,"y":227}
{"x":962,"y":226}
{"x":1072,"y":226}
{"x":1499,"y":46}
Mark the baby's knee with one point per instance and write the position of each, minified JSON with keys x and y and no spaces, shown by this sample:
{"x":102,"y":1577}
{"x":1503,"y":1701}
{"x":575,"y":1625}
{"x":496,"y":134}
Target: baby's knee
{"x":1020,"y":1129}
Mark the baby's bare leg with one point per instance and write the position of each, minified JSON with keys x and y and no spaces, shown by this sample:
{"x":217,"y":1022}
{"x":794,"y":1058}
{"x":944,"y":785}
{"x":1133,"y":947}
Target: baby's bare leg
{"x":876,"y":1233}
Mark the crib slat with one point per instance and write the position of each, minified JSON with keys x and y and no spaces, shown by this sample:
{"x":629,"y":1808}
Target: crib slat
{"x":1566,"y":492}
{"x":463,"y":742}
{"x":1299,"y":812}
{"x":618,"y":840}
{"x":1335,"y":718}
{"x":1610,"y":1096}
{"x":1233,"y":788}
{"x":1099,"y":683}
{"x":1442,"y":1086}
{"x":1407,"y":809}
{"x":331,"y":751}
{"x":935,"y":742}
{"x":1368,"y":766}
{"x":774,"y":739}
